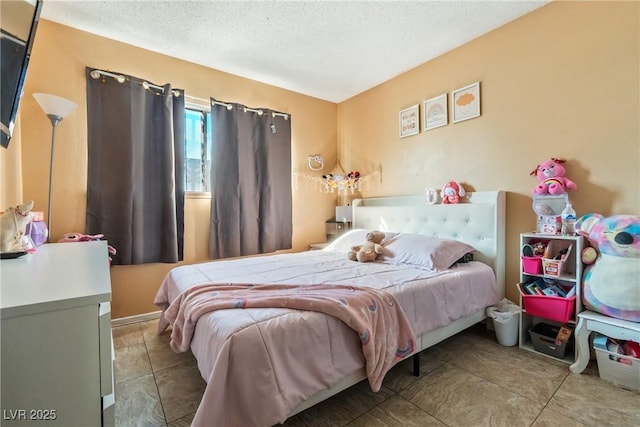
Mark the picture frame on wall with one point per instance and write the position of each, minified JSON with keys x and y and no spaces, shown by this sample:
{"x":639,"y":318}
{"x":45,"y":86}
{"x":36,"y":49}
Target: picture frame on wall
{"x":466,"y":102}
{"x":409,"y":121}
{"x":435,"y":112}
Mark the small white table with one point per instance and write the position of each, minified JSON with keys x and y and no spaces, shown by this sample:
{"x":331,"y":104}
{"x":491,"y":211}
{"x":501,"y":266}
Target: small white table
{"x":609,"y":326}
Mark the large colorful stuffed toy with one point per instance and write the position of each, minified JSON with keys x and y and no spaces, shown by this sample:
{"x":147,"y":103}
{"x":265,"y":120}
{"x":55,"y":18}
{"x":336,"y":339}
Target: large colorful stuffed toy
{"x":451,"y":193}
{"x":551,"y":179}
{"x":612,"y":282}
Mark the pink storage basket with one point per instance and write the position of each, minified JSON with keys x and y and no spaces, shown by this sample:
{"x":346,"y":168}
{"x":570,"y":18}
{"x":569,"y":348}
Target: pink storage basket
{"x":532,"y":264}
{"x":549,"y":307}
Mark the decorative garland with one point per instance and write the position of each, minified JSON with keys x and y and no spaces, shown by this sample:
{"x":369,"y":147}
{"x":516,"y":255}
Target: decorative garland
{"x":341,"y":183}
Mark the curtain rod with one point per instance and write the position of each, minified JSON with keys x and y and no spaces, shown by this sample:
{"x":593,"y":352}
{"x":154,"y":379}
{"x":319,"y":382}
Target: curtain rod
{"x":258,"y":112}
{"x":95,"y":74}
{"x":246,"y":109}
{"x":227,"y":106}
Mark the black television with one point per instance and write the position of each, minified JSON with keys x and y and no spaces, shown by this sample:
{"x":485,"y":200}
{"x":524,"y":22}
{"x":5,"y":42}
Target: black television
{"x":18,"y":23}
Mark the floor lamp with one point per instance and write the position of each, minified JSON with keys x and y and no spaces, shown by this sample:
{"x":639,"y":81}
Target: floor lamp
{"x":56,"y":108}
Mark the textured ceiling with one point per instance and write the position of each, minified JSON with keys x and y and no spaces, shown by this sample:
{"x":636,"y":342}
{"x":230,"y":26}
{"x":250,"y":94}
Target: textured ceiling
{"x":330,"y":50}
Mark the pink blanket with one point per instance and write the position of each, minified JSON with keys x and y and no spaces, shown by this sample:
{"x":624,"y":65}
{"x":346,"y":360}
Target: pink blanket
{"x":385,"y":334}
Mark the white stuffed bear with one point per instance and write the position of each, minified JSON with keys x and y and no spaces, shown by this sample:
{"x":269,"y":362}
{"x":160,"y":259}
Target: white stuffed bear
{"x":13,"y":224}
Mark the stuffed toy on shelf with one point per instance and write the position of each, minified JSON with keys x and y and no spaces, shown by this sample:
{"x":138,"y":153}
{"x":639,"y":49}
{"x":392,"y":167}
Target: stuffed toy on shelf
{"x":551,"y":178}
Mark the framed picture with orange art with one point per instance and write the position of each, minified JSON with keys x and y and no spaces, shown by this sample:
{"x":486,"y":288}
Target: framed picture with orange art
{"x":466,"y":102}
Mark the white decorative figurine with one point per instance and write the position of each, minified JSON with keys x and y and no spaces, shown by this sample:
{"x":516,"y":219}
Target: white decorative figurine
{"x":13,"y":224}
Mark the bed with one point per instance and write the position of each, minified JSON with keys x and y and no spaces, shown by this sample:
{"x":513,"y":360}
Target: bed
{"x":263,"y":365}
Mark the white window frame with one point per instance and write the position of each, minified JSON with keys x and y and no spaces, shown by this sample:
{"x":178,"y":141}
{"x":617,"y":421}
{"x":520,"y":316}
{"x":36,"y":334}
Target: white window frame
{"x":196,"y":194}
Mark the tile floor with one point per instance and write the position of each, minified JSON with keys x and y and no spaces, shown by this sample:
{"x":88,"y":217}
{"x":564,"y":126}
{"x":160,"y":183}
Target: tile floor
{"x":467,"y":380}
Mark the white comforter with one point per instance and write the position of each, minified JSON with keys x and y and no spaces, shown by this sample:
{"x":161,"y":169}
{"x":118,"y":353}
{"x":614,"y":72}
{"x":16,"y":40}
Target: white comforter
{"x":259,"y":364}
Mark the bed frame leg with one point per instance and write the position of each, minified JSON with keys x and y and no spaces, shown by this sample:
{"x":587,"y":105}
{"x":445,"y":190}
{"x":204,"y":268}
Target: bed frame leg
{"x":416,"y":364}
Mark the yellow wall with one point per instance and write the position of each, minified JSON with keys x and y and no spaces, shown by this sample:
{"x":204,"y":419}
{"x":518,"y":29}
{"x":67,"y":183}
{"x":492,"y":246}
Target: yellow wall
{"x":11,"y":170}
{"x":563,"y":81}
{"x":560,"y":82}
{"x":57,"y":66}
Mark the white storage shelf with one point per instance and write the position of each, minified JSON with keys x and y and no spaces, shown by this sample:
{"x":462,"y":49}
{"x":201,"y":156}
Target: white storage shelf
{"x":571,"y":275}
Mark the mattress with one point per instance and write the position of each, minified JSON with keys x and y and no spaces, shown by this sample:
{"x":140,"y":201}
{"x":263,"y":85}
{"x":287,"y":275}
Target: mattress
{"x":259,"y":364}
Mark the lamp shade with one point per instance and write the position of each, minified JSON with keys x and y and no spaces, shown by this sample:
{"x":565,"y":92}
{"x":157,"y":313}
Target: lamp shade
{"x":55,"y":105}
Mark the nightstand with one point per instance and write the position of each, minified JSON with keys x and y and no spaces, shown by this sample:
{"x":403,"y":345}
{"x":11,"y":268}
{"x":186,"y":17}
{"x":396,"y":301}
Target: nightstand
{"x":317,"y":246}
{"x":609,"y":326}
{"x":336,"y":228}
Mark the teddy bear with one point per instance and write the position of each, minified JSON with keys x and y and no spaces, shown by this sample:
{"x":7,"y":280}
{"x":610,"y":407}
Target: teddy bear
{"x":551,"y":178}
{"x":611,"y":284}
{"x":13,"y":224}
{"x":368,"y":251}
{"x":451,"y":193}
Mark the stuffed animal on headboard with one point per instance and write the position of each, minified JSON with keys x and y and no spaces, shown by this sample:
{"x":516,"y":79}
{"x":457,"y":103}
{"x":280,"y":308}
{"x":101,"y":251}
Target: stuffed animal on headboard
{"x":13,"y":224}
{"x":551,"y":179}
{"x":612,"y":282}
{"x":452,"y":192}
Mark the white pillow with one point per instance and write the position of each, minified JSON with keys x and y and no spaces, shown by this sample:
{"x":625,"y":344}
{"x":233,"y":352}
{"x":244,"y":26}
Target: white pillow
{"x":351,"y":238}
{"x":428,"y":252}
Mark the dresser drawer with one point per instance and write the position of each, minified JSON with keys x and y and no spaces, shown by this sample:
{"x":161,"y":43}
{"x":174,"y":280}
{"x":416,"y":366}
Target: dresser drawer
{"x":106,"y":349}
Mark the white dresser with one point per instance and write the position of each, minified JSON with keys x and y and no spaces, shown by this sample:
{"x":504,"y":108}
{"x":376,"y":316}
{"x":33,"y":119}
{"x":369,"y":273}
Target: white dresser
{"x":56,"y":351}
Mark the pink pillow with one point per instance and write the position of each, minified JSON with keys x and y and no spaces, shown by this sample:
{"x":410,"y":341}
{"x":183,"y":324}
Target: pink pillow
{"x":428,"y":252}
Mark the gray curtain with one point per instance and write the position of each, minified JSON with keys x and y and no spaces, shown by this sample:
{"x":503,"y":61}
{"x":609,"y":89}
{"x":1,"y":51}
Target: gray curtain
{"x":135,"y":182}
{"x":250,"y":182}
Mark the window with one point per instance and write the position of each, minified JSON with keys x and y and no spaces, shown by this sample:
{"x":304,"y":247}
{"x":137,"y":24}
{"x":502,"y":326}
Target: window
{"x":197,"y":150}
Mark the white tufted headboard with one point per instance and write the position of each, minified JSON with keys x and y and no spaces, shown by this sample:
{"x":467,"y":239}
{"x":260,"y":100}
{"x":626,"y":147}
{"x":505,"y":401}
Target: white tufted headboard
{"x":479,"y":221}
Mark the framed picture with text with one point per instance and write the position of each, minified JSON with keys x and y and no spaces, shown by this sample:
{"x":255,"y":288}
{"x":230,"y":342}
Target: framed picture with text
{"x":466,"y":102}
{"x":435,"y":112}
{"x":409,"y":121}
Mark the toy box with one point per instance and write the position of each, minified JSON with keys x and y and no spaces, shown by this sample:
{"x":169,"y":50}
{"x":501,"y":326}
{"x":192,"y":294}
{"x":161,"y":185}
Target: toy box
{"x":532,"y":264}
{"x":549,"y":210}
{"x":555,"y":258}
{"x":560,"y":309}
{"x":550,"y":225}
{"x":552,"y":267}
{"x":543,"y":337}
{"x":619,"y":369}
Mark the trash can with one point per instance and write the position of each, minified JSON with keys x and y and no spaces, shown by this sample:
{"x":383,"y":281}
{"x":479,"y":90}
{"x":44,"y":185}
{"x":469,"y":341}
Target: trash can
{"x":505,"y":316}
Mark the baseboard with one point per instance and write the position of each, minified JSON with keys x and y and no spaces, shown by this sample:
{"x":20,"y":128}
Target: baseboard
{"x":135,"y":319}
